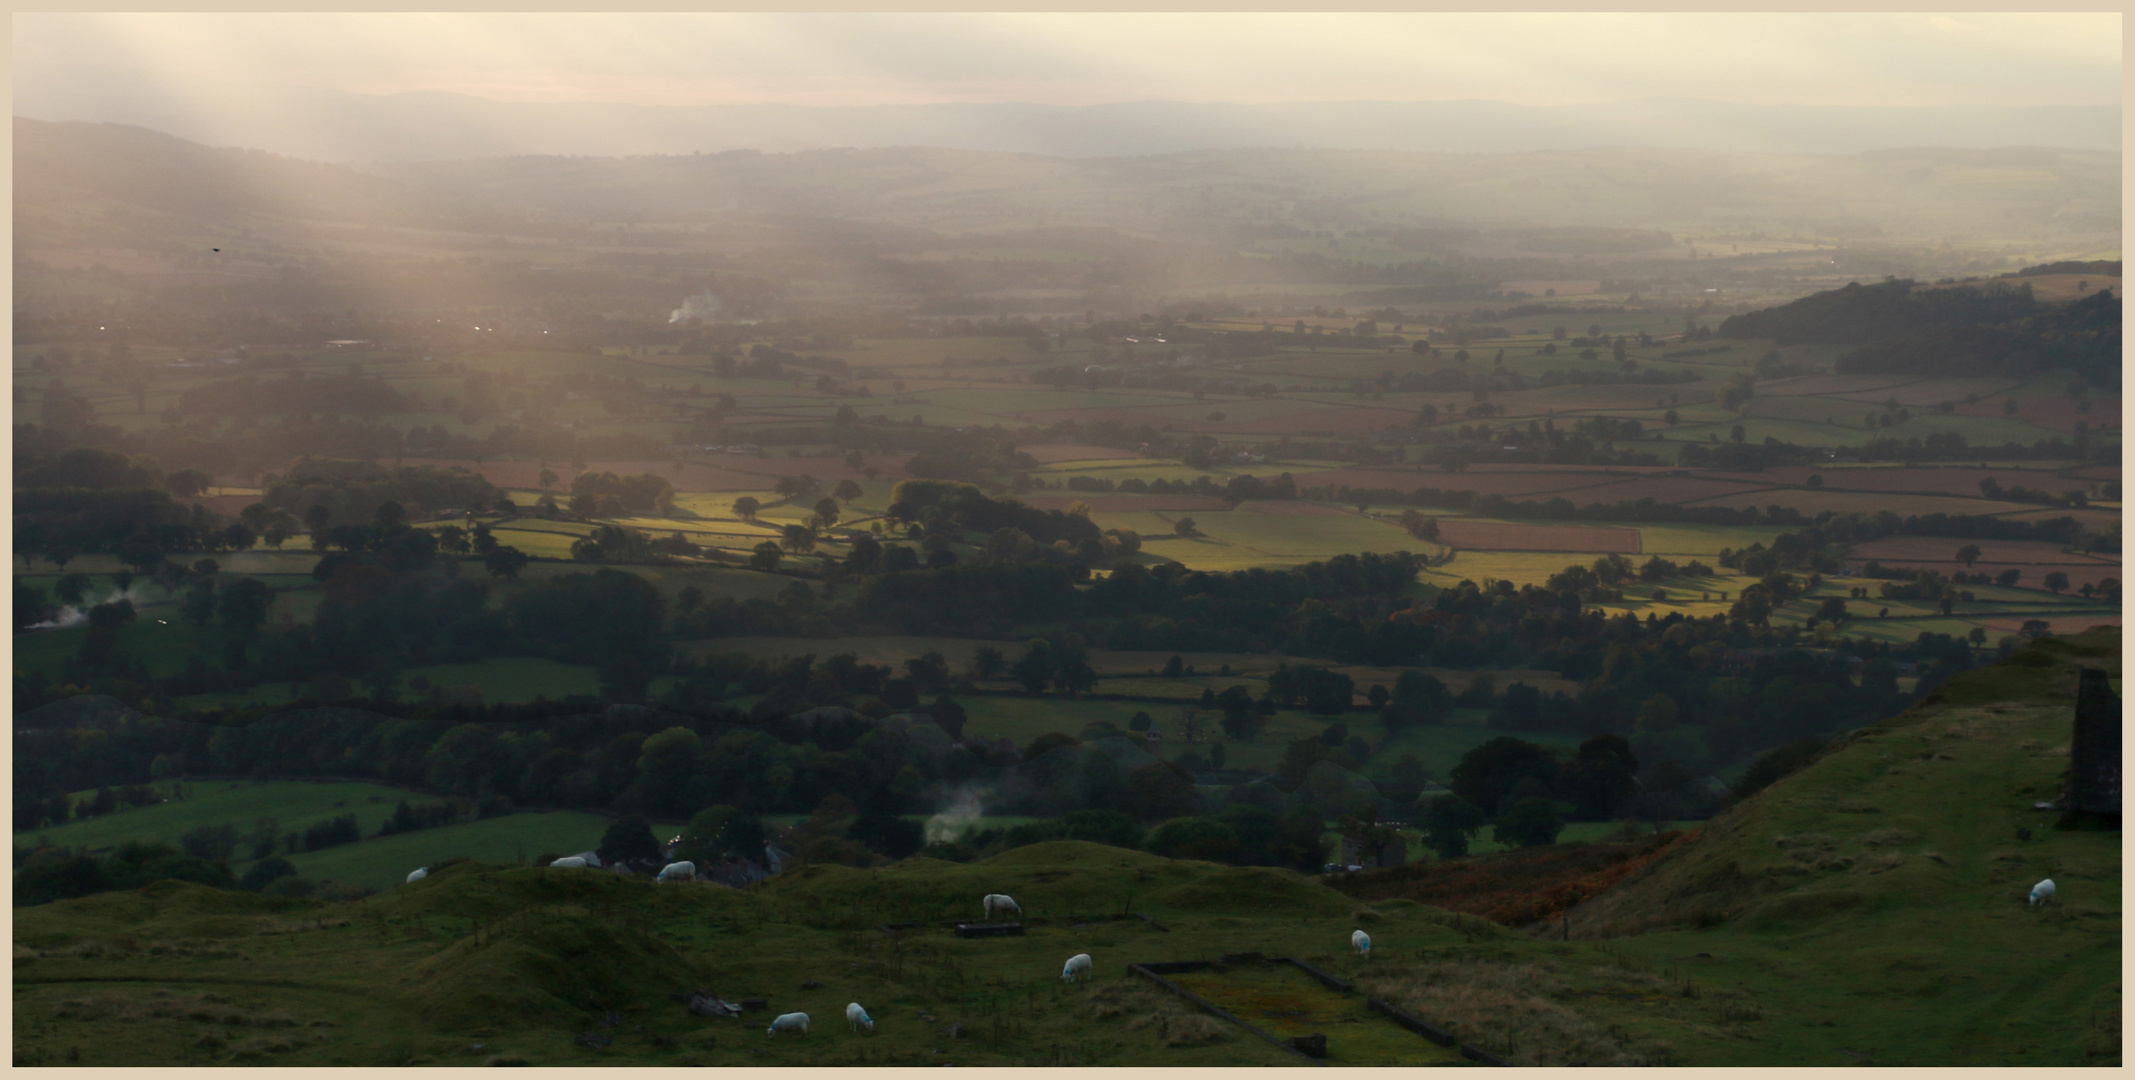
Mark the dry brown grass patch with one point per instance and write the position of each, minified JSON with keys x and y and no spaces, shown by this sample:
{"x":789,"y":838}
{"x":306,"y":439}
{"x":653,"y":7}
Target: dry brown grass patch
{"x":1508,"y":1008}
{"x":1175,"y":1022}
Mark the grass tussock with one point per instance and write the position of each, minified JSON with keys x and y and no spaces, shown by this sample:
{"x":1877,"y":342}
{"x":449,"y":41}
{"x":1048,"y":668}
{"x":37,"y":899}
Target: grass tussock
{"x":1512,"y":1010}
{"x":1888,"y":837}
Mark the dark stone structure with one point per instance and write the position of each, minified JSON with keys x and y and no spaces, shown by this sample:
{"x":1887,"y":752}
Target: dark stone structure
{"x":2092,"y":797}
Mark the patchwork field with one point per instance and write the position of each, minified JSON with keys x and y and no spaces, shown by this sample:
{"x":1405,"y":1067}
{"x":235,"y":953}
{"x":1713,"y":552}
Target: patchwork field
{"x":1507,"y":536}
{"x":1055,"y":453}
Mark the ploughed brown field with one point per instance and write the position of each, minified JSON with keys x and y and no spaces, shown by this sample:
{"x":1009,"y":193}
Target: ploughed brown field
{"x":1495,"y":536}
{"x":1661,"y":489}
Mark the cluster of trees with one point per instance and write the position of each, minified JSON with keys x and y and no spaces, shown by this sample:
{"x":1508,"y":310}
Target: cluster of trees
{"x":1156,"y":606}
{"x":352,"y":491}
{"x":1527,"y":793}
{"x":1235,"y":489}
{"x":623,"y":544}
{"x":605,"y":494}
{"x":55,"y":873}
{"x":1992,"y":489}
{"x":958,"y":507}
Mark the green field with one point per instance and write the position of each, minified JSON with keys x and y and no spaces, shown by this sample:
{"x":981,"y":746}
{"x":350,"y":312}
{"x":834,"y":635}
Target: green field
{"x":381,"y":862}
{"x":375,"y":862}
{"x":295,"y":805}
{"x":1236,"y":539}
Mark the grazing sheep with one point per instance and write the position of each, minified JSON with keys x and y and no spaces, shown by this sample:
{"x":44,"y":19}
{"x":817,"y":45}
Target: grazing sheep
{"x":788,"y":1022}
{"x":1078,"y":964}
{"x":2042,"y":892}
{"x":1361,"y":942}
{"x":678,"y":871}
{"x":998,"y":904}
{"x":858,"y":1018}
{"x":570,"y":862}
{"x":420,"y":873}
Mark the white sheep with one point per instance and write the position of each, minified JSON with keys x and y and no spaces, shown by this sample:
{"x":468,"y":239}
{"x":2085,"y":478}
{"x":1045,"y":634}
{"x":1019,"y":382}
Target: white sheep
{"x":1000,"y":904}
{"x":1078,"y":964}
{"x":788,"y":1022}
{"x":420,"y":873}
{"x":2042,"y":892}
{"x":570,"y":862}
{"x":678,"y":871}
{"x":858,"y":1018}
{"x":1361,"y":942}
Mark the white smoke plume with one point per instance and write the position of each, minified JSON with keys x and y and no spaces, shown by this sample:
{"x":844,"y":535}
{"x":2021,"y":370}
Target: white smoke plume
{"x":71,"y":615}
{"x":704,"y":306}
{"x":964,"y":810}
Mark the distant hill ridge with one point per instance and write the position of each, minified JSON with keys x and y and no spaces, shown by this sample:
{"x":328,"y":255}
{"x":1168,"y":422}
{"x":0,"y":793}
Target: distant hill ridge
{"x":889,"y":198}
{"x":1993,"y":328}
{"x":347,"y":127}
{"x":2101,"y":267}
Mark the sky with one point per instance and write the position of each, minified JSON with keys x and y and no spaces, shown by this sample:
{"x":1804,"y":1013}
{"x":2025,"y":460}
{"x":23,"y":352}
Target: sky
{"x":1084,"y":58}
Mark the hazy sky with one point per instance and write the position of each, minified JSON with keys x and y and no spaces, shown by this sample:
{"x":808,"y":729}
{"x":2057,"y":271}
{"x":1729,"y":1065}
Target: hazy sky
{"x":1081,"y":59}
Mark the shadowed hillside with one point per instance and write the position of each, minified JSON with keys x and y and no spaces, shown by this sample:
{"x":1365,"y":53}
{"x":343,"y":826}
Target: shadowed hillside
{"x":1926,"y":804}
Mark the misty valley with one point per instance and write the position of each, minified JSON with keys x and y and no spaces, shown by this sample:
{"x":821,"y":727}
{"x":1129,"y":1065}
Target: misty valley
{"x":1613,"y":604}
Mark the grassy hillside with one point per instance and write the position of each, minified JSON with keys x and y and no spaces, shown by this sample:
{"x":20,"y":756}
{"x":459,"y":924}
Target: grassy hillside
{"x":1869,"y":909}
{"x":480,"y":964}
{"x":1888,"y":880}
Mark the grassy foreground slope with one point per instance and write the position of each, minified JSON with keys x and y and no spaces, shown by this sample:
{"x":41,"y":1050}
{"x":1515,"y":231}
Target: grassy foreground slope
{"x":1869,"y":908}
{"x":480,"y":964}
{"x":1882,"y":890}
